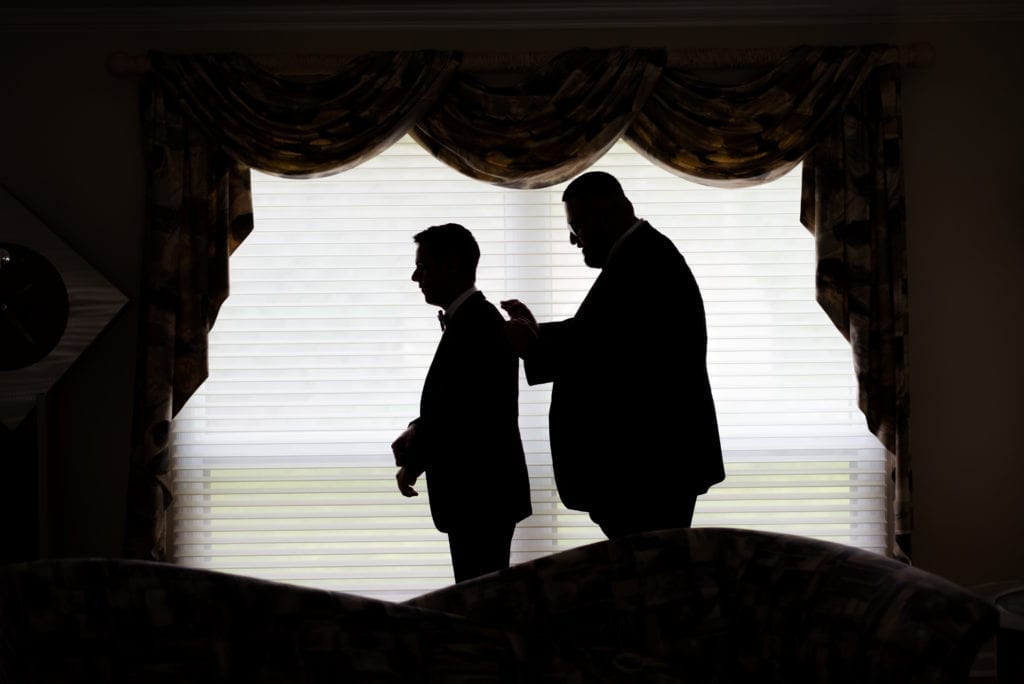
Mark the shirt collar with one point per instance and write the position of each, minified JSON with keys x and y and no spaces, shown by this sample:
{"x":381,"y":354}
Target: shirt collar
{"x":622,"y":237}
{"x":450,"y":311}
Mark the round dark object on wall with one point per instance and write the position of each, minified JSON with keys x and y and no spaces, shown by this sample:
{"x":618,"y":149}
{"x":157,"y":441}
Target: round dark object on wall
{"x":33,"y":306}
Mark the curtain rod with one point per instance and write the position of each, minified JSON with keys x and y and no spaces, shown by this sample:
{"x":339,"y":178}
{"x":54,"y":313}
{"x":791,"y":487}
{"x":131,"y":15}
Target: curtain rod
{"x":913,"y":55}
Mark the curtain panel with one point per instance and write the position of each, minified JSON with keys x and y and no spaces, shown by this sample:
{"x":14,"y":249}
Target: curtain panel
{"x":209,"y":118}
{"x":853,"y":203}
{"x":198,"y":210}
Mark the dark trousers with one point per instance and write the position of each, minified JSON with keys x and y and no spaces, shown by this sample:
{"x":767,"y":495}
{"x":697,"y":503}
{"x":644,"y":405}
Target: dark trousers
{"x":480,"y":549}
{"x":640,"y":518}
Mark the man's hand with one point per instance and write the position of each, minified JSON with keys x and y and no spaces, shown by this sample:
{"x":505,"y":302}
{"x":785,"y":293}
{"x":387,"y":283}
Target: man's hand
{"x":405,"y":482}
{"x":518,"y":311}
{"x":521,"y":327}
{"x":400,"y":447}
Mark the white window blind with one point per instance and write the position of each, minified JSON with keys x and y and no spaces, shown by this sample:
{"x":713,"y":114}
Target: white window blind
{"x":281,"y":461}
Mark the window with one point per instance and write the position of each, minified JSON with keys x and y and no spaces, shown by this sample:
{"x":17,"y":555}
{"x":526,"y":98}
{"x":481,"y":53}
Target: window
{"x":281,"y":461}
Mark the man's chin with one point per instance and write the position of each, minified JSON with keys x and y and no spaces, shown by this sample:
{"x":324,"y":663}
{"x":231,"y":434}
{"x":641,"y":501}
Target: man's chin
{"x":593,"y":260}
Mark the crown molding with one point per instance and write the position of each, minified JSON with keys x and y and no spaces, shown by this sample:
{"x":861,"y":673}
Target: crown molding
{"x":525,"y":14}
{"x":909,"y":55}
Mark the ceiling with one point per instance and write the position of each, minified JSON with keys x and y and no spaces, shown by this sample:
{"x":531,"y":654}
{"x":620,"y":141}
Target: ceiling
{"x":479,"y":14}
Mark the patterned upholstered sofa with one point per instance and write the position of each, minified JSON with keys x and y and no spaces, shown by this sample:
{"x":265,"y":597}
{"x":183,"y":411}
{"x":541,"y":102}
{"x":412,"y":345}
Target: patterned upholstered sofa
{"x":701,"y":605}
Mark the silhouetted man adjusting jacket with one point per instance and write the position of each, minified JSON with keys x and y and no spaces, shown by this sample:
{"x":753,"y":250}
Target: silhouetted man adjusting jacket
{"x":634,"y":436}
{"x":466,"y":437}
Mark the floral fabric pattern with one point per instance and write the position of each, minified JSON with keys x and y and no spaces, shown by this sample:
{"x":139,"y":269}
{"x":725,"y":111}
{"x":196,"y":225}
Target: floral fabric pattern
{"x":692,"y":605}
{"x":733,"y":605}
{"x":547,"y":129}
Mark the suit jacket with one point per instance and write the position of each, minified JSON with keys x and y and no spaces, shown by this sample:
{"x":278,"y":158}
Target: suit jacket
{"x":467,"y":434}
{"x":632,"y":419}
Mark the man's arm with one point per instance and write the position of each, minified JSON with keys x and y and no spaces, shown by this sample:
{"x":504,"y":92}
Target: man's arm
{"x":543,"y":347}
{"x":402,"y":446}
{"x":550,"y":352}
{"x":409,"y":467}
{"x":521,"y":327}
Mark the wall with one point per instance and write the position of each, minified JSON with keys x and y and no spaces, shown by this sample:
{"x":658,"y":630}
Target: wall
{"x":71,"y":152}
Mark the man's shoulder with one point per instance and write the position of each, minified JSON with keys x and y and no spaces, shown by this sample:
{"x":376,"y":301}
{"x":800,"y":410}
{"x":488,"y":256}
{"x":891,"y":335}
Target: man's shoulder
{"x":647,"y":250}
{"x":478,"y":304}
{"x":649,"y":236}
{"x":478,"y":311}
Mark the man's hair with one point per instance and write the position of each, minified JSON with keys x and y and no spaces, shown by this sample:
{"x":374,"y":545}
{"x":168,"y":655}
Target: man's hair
{"x":453,"y":242}
{"x":594,"y":185}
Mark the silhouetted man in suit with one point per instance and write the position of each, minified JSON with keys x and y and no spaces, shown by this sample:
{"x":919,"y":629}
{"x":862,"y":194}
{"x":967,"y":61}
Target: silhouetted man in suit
{"x":466,"y":437}
{"x":634,"y":436}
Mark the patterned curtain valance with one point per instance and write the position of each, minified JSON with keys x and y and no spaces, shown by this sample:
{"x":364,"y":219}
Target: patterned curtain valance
{"x":754,"y":131}
{"x":546,"y":129}
{"x":209,"y":118}
{"x":307,"y":128}
{"x":539,"y":132}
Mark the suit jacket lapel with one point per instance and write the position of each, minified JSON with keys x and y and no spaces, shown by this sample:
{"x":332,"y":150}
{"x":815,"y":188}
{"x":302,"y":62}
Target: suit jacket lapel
{"x":448,"y":338}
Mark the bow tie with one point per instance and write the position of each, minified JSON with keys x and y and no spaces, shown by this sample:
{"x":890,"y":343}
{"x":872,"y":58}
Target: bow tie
{"x":441,"y":319}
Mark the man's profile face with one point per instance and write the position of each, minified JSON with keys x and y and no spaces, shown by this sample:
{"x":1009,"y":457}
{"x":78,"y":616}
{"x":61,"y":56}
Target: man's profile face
{"x":588,"y":231}
{"x":430,"y":276}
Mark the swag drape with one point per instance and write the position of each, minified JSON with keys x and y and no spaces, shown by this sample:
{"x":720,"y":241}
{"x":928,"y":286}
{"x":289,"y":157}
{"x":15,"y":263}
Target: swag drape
{"x":209,"y":118}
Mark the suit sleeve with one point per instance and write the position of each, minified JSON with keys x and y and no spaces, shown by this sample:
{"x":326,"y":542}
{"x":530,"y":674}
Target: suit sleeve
{"x":413,"y":456}
{"x":475,"y":389}
{"x":549,"y":353}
